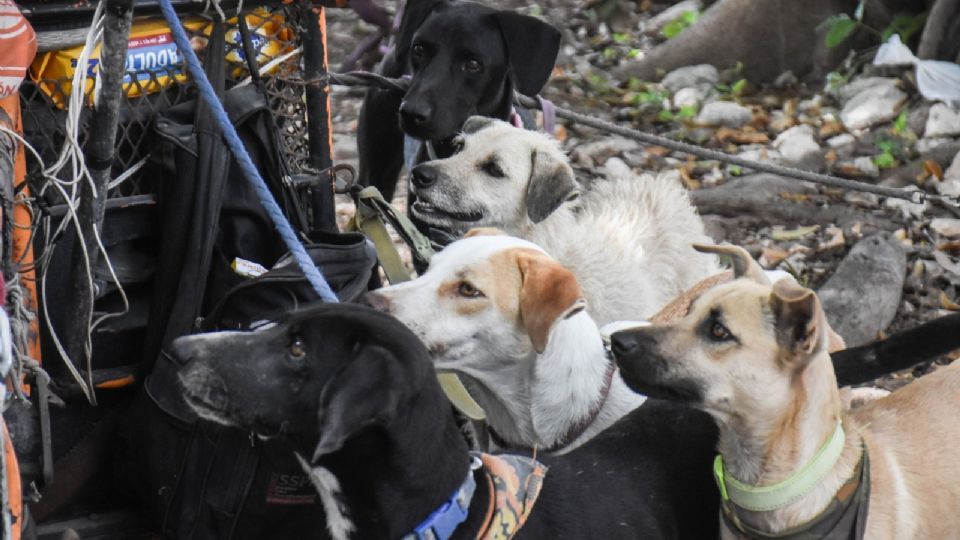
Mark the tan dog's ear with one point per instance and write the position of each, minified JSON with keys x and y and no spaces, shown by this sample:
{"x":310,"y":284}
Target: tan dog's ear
{"x":743,"y":264}
{"x":799,"y":319}
{"x":484,"y":231}
{"x":551,"y":183}
{"x":548,"y":293}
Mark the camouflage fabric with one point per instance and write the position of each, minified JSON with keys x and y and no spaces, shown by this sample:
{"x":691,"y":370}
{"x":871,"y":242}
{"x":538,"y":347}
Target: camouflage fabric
{"x":514,"y":483}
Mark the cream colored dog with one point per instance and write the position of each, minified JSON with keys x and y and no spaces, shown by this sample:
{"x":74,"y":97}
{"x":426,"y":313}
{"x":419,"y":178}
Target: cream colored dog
{"x":755,"y":357}
{"x":510,"y":321}
{"x":627,"y":240}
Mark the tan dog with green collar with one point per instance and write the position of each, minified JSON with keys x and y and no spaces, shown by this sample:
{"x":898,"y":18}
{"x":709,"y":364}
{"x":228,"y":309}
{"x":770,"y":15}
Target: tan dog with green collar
{"x":794,"y":464}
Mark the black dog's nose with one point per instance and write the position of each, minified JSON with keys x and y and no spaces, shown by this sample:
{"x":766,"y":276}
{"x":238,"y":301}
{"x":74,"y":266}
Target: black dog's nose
{"x":423,"y":176}
{"x":377,"y":301}
{"x":624,"y":343}
{"x":414,"y":113}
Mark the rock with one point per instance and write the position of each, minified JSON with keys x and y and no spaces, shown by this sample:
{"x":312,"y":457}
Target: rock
{"x":862,"y":296}
{"x":953,"y":171}
{"x":946,"y":227}
{"x":596,"y":153}
{"x":780,"y":121}
{"x":927,"y":144}
{"x":950,"y":188}
{"x":848,"y":91}
{"x":616,"y":168}
{"x":872,"y":106}
{"x":843,"y":144}
{"x":908,"y":209}
{"x":688,"y":97}
{"x":785,"y":80}
{"x":670,"y":14}
{"x":799,"y":148}
{"x":943,"y":121}
{"x":862,"y":199}
{"x":724,"y":113}
{"x":703,"y":75}
{"x":861,"y":167}
{"x":917,"y":117}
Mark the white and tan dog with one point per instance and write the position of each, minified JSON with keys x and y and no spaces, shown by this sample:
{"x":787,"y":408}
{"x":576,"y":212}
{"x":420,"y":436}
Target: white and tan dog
{"x":755,"y":357}
{"x":627,"y":240}
{"x":510,"y":320}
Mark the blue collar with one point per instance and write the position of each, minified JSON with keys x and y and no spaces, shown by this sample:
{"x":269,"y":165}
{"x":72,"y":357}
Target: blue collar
{"x":444,"y":520}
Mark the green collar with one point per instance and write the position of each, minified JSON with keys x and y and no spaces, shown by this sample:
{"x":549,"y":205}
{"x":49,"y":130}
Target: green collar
{"x":764,"y":498}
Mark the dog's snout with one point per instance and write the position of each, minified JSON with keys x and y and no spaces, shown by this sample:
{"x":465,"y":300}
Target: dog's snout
{"x":377,"y":301}
{"x":415,"y":113}
{"x":624,"y":343}
{"x":424,"y":176}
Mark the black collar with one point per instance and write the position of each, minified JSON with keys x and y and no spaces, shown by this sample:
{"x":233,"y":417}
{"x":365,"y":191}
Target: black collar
{"x":580,"y":427}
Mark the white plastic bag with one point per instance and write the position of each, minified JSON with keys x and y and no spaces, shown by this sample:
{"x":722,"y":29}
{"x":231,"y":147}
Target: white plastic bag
{"x":937,"y":80}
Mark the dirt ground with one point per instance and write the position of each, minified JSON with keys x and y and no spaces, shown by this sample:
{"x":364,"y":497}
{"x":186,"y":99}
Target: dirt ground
{"x":600,"y":35}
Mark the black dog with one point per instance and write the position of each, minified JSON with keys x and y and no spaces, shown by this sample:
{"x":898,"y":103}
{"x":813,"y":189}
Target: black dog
{"x":356,"y":395}
{"x":464,"y":59}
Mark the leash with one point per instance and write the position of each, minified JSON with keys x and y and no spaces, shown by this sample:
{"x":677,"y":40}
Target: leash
{"x":372,"y":215}
{"x":250,"y":171}
{"x":362,"y":78}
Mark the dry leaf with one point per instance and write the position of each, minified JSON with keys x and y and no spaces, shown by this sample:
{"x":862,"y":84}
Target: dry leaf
{"x":690,"y":182}
{"x":951,"y":248}
{"x":932,"y":168}
{"x":793,"y":234}
{"x":658,"y":151}
{"x":836,"y":240}
{"x":744,"y":136}
{"x":795,"y":197}
{"x":771,"y":256}
{"x":947,"y":303}
{"x":831,"y":128}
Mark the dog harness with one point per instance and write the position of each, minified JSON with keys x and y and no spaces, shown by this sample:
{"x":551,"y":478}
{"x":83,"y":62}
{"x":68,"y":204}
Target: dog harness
{"x":844,"y":518}
{"x":513,"y":483}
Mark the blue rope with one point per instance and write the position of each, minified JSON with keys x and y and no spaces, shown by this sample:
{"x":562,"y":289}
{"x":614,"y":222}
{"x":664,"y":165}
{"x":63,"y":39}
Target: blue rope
{"x":246,"y":165}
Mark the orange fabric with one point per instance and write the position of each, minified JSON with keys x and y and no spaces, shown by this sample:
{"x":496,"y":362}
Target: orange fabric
{"x":515,"y":483}
{"x":13,"y":483}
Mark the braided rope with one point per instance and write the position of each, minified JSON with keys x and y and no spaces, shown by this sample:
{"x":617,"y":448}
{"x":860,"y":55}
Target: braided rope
{"x":250,"y":171}
{"x":362,"y":78}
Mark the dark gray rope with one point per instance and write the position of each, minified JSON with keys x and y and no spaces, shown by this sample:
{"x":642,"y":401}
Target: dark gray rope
{"x":362,"y":78}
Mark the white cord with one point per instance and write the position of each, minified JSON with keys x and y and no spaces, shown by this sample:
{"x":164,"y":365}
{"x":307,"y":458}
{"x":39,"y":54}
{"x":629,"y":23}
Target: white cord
{"x":272,"y":64}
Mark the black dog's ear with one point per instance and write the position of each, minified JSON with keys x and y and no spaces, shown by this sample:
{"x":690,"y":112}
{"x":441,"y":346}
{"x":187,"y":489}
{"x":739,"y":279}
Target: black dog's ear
{"x":532,"y":47}
{"x":357,"y":397}
{"x":414,"y":13}
{"x":551,"y":183}
{"x":476,"y":123}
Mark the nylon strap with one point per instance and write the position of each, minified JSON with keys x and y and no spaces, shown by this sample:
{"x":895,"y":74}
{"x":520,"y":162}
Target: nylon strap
{"x":372,"y":210}
{"x":764,"y":498}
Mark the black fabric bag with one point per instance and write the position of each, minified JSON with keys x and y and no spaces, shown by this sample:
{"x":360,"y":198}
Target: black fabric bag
{"x":198,"y":480}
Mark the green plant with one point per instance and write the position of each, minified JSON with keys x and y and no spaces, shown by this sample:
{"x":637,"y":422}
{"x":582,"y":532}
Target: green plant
{"x":665,"y":115}
{"x":673,"y":28}
{"x":900,"y":124}
{"x":738,"y":87}
{"x":687,"y":112}
{"x":840,"y":27}
{"x":886,"y":160}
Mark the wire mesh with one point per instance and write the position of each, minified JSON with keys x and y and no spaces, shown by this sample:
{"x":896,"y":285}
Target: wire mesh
{"x":275,"y":35}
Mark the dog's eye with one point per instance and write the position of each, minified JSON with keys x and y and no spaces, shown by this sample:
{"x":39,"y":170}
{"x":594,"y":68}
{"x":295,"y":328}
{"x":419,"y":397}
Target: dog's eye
{"x":457,"y":144}
{"x":493,"y":169}
{"x":472,"y":66}
{"x":466,"y":289}
{"x":719,"y":332}
{"x":416,"y":51}
{"x":297,"y":348}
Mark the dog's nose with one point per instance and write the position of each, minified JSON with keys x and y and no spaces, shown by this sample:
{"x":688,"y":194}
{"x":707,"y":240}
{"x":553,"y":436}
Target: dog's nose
{"x":414,"y":113}
{"x":624,"y":343}
{"x":377,"y":301}
{"x":423,"y":176}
